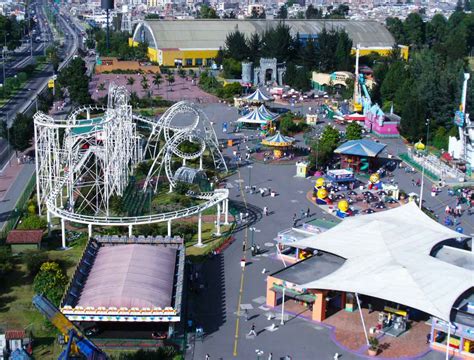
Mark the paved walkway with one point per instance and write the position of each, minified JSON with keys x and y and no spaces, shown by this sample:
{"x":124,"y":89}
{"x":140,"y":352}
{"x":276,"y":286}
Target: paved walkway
{"x":227,"y":288}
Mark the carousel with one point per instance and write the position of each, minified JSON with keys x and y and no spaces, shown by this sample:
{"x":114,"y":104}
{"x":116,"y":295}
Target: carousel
{"x":257,"y":97}
{"x":279,"y":143}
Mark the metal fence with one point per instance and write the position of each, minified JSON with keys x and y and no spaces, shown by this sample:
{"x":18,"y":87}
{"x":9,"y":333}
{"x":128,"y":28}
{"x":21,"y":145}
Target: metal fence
{"x":19,"y":209}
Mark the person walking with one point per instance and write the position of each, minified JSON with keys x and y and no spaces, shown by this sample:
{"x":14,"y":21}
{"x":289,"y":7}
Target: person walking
{"x":252,"y":331}
{"x":243,"y":246}
{"x":246,"y":314}
{"x":208,"y":357}
{"x":265,"y":211}
{"x":308,"y":212}
{"x":270,"y":356}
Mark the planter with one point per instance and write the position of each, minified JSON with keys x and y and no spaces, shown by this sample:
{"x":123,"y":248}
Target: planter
{"x":372,"y":352}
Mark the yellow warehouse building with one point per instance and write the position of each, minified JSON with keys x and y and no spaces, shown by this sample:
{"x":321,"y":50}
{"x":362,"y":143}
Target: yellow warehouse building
{"x":194,"y":43}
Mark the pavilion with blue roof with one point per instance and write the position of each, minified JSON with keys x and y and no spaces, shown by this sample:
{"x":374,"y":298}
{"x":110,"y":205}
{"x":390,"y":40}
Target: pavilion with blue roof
{"x":359,"y":155}
{"x":258,"y":97}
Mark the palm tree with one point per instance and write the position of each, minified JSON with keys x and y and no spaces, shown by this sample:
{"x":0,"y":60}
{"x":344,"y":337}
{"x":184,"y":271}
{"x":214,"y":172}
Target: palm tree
{"x":170,"y":80}
{"x":157,"y":80}
{"x":144,"y":83}
{"x":130,"y":81}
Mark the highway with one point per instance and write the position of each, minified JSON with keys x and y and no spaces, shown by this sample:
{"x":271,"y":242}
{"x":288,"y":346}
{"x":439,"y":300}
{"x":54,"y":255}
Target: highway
{"x":25,"y":97}
{"x":23,"y":101}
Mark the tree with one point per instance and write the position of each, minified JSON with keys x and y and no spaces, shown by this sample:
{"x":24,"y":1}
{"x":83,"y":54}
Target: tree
{"x":51,"y":282}
{"x":353,"y":131}
{"x":157,"y":80}
{"x":33,"y":261}
{"x":232,"y":69}
{"x":277,"y":43}
{"x":467,"y":5}
{"x":343,"y":52}
{"x":322,"y":149}
{"x":20,"y":133}
{"x":33,"y":222}
{"x":414,"y":29}
{"x":144,"y":83}
{"x":395,"y":76}
{"x":395,"y":26}
{"x":74,"y":78}
{"x":117,"y":205}
{"x":254,"y":46}
{"x":130,"y":81}
{"x":287,"y":125}
{"x":282,"y":12}
{"x":313,"y":13}
{"x":170,"y":80}
{"x":459,"y":6}
{"x":53,"y":57}
{"x":207,"y":12}
{"x":6,"y":261}
{"x":236,"y":46}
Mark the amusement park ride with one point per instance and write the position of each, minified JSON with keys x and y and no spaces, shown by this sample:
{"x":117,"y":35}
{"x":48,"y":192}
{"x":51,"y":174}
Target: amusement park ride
{"x":463,"y":148}
{"x":77,"y":342}
{"x":361,"y":100}
{"x":86,"y":159}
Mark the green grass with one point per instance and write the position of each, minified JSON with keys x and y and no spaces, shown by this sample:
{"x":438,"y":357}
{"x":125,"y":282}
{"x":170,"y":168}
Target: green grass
{"x":16,"y":308}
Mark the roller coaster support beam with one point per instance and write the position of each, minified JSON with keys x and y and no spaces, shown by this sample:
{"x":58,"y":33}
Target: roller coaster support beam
{"x":199,"y":243}
{"x":226,"y":212}
{"x":89,"y":228}
{"x":48,"y":220}
{"x":200,"y":162}
{"x":169,"y":228}
{"x":63,"y":233}
{"x":218,"y":220}
{"x":130,"y":230}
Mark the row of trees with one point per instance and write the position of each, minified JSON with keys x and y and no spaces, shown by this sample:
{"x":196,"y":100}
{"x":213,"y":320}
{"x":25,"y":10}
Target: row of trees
{"x":12,"y":31}
{"x":328,"y":52}
{"x":428,"y":86}
{"x":316,"y":13}
{"x":74,"y":78}
{"x":118,"y":45}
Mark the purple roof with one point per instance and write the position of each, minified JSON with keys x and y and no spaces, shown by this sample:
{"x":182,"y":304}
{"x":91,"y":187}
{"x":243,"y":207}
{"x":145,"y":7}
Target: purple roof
{"x":132,"y":275}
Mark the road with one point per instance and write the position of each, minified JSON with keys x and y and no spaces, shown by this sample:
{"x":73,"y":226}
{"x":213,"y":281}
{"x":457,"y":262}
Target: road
{"x":20,"y":103}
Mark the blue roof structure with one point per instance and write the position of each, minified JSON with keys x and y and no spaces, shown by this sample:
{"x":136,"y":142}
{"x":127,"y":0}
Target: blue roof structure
{"x":256,"y":116}
{"x":361,"y":147}
{"x":20,"y":354}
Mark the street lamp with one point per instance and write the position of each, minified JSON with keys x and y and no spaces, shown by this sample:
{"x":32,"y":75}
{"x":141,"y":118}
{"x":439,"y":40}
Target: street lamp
{"x":253,"y":231}
{"x":250,"y":173}
{"x":427,"y":123}
{"x":259,"y":353}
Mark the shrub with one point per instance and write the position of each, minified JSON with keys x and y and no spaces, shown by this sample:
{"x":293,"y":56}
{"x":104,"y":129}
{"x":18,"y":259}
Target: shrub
{"x":33,"y":261}
{"x":51,"y":282}
{"x":32,"y":222}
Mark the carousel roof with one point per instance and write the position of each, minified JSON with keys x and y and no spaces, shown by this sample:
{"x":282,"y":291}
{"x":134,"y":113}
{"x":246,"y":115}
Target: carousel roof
{"x":256,"y":116}
{"x":278,"y":140}
{"x":258,"y":96}
{"x":265,"y":112}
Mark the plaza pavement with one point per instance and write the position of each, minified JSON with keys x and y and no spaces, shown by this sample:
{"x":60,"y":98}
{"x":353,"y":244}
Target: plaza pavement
{"x":226,"y":285}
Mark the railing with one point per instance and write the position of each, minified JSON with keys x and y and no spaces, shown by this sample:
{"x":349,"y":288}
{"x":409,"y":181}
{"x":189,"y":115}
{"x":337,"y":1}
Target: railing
{"x":20,"y":206}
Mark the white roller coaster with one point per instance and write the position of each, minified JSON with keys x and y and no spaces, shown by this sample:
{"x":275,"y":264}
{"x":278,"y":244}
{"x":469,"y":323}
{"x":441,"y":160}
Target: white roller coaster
{"x":86,"y":159}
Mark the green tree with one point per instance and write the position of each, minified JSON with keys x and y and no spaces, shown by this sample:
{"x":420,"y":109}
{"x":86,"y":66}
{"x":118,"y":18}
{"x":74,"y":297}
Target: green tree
{"x":440,"y":138}
{"x":254,"y":45}
{"x":33,"y":222}
{"x":396,"y":74}
{"x":313,"y":13}
{"x":130,"y":81}
{"x":343,"y":52}
{"x":157,"y":80}
{"x":353,"y":131}
{"x":396,"y":28}
{"x":144,"y":83}
{"x":117,"y":205}
{"x":20,"y":133}
{"x":322,"y":149}
{"x":297,"y":77}
{"x":33,"y":261}
{"x":207,"y":12}
{"x":277,"y":43}
{"x":232,"y":69}
{"x":6,"y":261}
{"x":414,"y":29}
{"x":282,"y":12}
{"x":236,"y":46}
{"x":51,"y":282}
{"x":170,"y":80}
{"x":74,"y":78}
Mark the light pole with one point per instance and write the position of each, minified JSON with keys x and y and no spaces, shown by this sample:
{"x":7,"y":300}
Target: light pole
{"x":250,"y":173}
{"x":427,"y":123}
{"x":253,"y":231}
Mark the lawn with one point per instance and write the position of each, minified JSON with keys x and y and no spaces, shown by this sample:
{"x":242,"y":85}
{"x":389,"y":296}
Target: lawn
{"x":208,"y":239}
{"x":17,"y":310}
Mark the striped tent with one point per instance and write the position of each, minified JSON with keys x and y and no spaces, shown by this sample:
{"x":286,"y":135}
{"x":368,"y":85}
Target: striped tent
{"x":255,"y":117}
{"x":267,"y":113}
{"x":257,"y":97}
{"x":278,"y":140}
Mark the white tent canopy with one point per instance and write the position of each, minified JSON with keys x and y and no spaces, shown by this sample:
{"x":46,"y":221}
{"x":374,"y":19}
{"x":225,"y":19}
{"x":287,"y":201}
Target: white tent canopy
{"x":258,"y":96}
{"x":256,"y":116}
{"x":388,"y":256}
